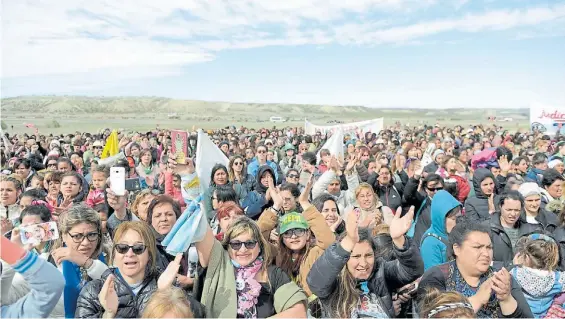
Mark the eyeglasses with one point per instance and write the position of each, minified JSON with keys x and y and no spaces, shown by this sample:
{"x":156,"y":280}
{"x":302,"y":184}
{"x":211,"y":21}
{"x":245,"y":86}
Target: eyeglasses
{"x":261,"y":152}
{"x":298,"y":232}
{"x":238,"y":163}
{"x":434,"y":189}
{"x":236,"y":245}
{"x":137,"y":249}
{"x":78,"y":238}
{"x":293,"y":176}
{"x":269,"y":144}
{"x":98,"y":147}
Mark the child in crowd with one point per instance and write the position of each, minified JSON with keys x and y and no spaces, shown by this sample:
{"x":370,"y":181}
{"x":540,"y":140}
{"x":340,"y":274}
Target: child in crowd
{"x":96,"y":194}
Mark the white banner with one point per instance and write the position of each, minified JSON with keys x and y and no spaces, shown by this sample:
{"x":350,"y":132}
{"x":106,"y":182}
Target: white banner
{"x":373,"y":126}
{"x":334,"y":144}
{"x":207,"y":155}
{"x":547,"y":119}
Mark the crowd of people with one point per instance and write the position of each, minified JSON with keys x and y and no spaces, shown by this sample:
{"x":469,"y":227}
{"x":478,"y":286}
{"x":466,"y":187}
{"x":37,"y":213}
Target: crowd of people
{"x":422,"y":222}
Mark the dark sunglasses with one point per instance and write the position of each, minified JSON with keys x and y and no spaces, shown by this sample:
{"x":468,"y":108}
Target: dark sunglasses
{"x":238,"y":163}
{"x":78,"y":238}
{"x":293,"y":176}
{"x":298,"y":232}
{"x":137,"y":249}
{"x":437,"y":189}
{"x":261,"y":152}
{"x":98,"y":147}
{"x":236,"y":245}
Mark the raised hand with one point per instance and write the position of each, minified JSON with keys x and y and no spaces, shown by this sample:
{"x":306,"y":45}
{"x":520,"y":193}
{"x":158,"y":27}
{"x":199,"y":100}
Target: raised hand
{"x":352,"y":226}
{"x":483,"y":295}
{"x":68,"y":254}
{"x":335,"y":225}
{"x":491,"y":207}
{"x":351,"y":164}
{"x":108,"y":297}
{"x":501,"y":284}
{"x":118,"y":203}
{"x":399,"y":226}
{"x":167,"y":278}
{"x":504,"y":164}
{"x":276,"y":197}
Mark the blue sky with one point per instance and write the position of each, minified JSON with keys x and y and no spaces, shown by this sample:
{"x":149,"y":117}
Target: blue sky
{"x":378,"y":53}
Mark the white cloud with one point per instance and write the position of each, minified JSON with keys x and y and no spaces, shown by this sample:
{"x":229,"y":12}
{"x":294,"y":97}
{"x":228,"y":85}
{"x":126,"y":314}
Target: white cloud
{"x":69,"y":36}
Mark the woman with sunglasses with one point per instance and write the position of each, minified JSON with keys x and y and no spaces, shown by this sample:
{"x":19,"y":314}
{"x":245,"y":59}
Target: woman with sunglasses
{"x":124,"y":291}
{"x":239,"y":280}
{"x":238,"y":173}
{"x":78,"y":252}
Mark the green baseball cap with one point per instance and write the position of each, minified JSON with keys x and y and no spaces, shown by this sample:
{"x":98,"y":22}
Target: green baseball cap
{"x":291,"y":221}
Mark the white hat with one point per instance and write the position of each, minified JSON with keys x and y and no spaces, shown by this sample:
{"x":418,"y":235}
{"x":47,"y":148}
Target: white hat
{"x":529,"y":189}
{"x":554,"y":163}
{"x":97,"y":144}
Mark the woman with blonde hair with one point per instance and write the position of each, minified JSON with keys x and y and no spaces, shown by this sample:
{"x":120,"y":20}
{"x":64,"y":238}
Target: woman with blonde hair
{"x":10,"y":189}
{"x":168,"y":303}
{"x":124,"y":291}
{"x":239,"y":280}
{"x":141,"y":203}
{"x":537,"y":257}
{"x":368,"y":204}
{"x":437,"y":304}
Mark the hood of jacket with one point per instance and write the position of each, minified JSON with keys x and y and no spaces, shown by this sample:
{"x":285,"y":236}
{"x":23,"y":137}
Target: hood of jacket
{"x":480,"y":175}
{"x":442,"y":203}
{"x":537,"y":283}
{"x":260,"y":187}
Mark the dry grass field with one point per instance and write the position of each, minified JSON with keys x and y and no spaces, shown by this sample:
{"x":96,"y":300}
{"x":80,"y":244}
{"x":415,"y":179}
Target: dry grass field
{"x":144,"y":113}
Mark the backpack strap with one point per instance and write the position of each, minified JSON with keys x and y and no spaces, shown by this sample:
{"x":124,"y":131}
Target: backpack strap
{"x":410,"y":232}
{"x":436,"y":236}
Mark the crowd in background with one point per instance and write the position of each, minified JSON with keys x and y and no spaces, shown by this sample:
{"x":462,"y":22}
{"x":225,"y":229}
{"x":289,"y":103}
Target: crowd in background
{"x":423,"y":222}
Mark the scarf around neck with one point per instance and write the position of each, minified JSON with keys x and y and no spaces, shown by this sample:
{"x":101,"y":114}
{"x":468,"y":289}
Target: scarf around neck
{"x":247,"y":287}
{"x":456,"y":282}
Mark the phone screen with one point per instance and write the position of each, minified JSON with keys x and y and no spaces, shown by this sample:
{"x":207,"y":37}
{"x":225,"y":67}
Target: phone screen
{"x":38,"y":233}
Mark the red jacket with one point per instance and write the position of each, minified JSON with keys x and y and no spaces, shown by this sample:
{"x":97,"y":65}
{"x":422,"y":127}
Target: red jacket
{"x":175,"y":193}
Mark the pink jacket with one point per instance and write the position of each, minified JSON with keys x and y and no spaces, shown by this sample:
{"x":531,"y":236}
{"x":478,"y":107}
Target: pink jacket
{"x":95,"y":197}
{"x":175,"y":193}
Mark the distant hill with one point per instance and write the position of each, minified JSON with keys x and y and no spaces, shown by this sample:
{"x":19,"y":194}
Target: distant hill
{"x":159,"y":107}
{"x":124,"y":105}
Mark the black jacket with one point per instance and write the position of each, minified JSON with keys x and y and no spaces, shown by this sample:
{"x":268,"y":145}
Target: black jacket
{"x":390,"y":195}
{"x":559,"y":236}
{"x":387,"y":276}
{"x":476,"y":207}
{"x":547,"y":223}
{"x":130,"y":305}
{"x":501,"y":245}
{"x":414,"y":198}
{"x":435,"y":278}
